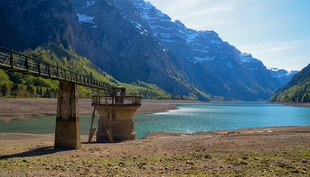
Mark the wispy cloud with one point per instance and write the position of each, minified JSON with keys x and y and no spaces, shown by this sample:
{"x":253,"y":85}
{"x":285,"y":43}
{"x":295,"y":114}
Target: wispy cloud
{"x":275,"y":47}
{"x":291,"y":55}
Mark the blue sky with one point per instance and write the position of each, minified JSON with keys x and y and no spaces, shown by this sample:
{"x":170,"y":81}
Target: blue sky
{"x":277,"y":32}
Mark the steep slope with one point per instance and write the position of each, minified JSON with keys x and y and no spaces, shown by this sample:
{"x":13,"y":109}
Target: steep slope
{"x":297,"y":90}
{"x":245,"y":77}
{"x":33,"y":23}
{"x":136,"y":53}
{"x":102,"y":35}
{"x":282,"y":75}
{"x":18,"y":85}
{"x":136,"y":43}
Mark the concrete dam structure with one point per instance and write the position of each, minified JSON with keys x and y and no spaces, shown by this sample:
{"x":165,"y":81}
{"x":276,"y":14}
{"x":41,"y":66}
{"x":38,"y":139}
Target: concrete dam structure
{"x":116,"y":111}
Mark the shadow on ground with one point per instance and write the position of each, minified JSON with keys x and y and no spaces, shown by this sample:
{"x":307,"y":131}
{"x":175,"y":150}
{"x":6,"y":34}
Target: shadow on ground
{"x":36,"y":152}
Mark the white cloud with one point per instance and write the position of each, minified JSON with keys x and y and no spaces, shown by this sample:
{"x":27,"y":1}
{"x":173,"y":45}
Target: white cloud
{"x":290,"y":55}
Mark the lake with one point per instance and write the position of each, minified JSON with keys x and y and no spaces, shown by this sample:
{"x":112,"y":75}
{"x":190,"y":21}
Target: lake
{"x":188,"y":118}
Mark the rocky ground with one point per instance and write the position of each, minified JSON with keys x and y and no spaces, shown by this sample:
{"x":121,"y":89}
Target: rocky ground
{"x":269,"y":151}
{"x":265,"y":151}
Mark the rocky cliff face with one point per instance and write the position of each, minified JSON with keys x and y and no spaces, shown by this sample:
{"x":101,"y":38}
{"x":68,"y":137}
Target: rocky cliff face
{"x":96,"y":30}
{"x":128,"y":53}
{"x":172,"y":65}
{"x":244,"y":76}
{"x":134,"y":41}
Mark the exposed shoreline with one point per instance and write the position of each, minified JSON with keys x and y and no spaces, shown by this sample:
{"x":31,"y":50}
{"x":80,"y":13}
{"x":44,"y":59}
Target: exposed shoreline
{"x":260,"y":151}
{"x":15,"y":108}
{"x":307,"y":104}
{"x":30,"y":108}
{"x":255,"y":151}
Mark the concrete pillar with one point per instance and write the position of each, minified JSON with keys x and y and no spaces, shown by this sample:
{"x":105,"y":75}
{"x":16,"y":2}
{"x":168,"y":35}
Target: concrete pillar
{"x":67,"y":132}
{"x":122,"y":124}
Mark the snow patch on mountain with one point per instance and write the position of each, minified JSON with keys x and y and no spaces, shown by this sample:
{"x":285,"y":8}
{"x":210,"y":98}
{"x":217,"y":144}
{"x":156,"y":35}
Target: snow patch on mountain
{"x":147,"y":7}
{"x":247,"y":58}
{"x":229,"y":64}
{"x":205,"y":59}
{"x":215,"y":42}
{"x":276,"y":72}
{"x":202,"y":51}
{"x":85,"y":18}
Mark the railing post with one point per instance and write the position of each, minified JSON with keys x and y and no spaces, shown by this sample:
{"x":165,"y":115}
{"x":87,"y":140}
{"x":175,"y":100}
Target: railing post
{"x":39,"y":67}
{"x":11,"y":60}
{"x":26,"y":64}
{"x":49,"y":70}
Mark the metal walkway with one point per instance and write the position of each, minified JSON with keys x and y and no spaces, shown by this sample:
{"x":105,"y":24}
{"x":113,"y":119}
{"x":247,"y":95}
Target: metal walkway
{"x":17,"y":62}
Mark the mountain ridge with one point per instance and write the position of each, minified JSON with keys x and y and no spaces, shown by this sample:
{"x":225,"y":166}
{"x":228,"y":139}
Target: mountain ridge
{"x":282,"y":75}
{"x":135,"y":42}
{"x":205,"y":48}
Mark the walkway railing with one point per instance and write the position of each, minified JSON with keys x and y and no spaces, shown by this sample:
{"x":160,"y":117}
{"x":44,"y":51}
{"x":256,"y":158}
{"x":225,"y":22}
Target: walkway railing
{"x":116,"y":100}
{"x":17,"y":62}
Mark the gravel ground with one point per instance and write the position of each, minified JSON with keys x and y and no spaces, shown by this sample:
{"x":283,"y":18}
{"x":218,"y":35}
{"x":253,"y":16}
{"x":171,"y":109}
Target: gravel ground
{"x":268,"y":151}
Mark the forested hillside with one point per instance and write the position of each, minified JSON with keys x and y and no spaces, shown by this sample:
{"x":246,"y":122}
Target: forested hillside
{"x":297,"y":90}
{"x":18,"y":85}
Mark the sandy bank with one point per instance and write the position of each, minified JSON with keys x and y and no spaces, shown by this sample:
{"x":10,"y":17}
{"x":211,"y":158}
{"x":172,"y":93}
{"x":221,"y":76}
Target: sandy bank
{"x":28,"y":108}
{"x":292,"y":104}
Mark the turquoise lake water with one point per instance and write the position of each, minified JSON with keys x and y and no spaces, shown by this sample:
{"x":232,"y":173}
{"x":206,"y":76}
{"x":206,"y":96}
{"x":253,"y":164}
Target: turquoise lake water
{"x":188,"y":118}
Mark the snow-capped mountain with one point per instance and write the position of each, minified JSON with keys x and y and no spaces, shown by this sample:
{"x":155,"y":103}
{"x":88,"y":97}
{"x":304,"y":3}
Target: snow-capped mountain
{"x":282,"y":75}
{"x":135,"y":42}
{"x":241,"y":73}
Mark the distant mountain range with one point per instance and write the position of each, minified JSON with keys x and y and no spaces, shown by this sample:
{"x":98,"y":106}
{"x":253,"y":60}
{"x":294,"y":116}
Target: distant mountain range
{"x":297,"y":90}
{"x":136,"y":43}
{"x":282,"y":75}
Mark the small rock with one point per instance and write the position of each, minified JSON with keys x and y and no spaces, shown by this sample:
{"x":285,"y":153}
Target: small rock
{"x":208,"y":156}
{"x":237,"y":163}
{"x":243,"y":163}
{"x":304,"y":161}
{"x":295,"y":171}
{"x":189,"y":162}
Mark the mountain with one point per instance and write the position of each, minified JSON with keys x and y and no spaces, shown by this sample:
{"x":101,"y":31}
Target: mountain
{"x":18,"y":85}
{"x":114,"y":45}
{"x":282,"y":75}
{"x":245,"y":77}
{"x":137,"y":44}
{"x":297,"y":90}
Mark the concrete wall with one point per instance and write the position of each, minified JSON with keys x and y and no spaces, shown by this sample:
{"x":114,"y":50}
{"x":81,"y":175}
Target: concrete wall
{"x":122,"y":124}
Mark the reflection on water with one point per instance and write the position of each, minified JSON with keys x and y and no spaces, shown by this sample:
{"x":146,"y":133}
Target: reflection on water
{"x":188,"y":118}
{"x":40,"y":125}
